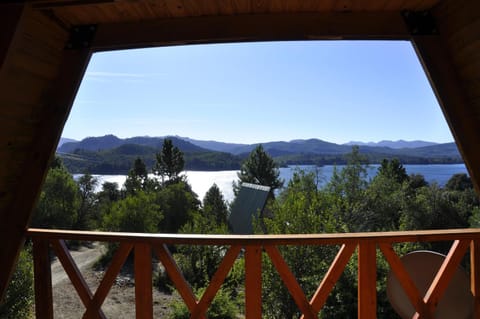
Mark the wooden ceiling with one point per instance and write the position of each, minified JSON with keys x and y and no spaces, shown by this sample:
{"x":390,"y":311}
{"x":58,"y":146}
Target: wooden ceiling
{"x":88,"y":12}
{"x":45,"y":47}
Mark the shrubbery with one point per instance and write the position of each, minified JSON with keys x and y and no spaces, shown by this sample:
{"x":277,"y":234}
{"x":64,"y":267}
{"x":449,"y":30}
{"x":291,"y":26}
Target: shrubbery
{"x":18,"y":301}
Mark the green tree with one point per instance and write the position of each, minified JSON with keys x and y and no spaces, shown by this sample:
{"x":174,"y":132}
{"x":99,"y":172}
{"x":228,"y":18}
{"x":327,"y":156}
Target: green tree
{"x":347,"y":189}
{"x":214,"y":206}
{"x":200,"y":262}
{"x":136,"y":213}
{"x":459,"y":182}
{"x":393,"y":169}
{"x":86,"y":184}
{"x":137,"y":178}
{"x":59,"y":201}
{"x":178,"y":203}
{"x":416,"y":181}
{"x":170,"y":162}
{"x":259,"y":168}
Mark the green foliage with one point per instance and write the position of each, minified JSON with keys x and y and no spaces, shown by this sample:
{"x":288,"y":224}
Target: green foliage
{"x":137,"y":178}
{"x":459,"y":182}
{"x":86,"y":211}
{"x":18,"y":301}
{"x":223,"y":307}
{"x":139,"y":213}
{"x":393,"y":170}
{"x":214,"y":206}
{"x":259,"y":168}
{"x":170,"y":161}
{"x":199,"y":262}
{"x":300,"y":209}
{"x":59,"y":201}
{"x":178,"y":203}
{"x":349,"y":202}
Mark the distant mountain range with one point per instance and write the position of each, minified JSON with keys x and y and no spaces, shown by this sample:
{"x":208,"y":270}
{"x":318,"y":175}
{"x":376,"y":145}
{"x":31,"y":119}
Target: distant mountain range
{"x":112,"y":155}
{"x":394,"y":144}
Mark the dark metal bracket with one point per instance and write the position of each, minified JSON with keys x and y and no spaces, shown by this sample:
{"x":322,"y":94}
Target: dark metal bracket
{"x":420,"y":22}
{"x":81,"y":37}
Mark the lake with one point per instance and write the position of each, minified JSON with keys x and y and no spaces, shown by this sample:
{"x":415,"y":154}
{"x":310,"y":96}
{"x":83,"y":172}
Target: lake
{"x":201,"y":181}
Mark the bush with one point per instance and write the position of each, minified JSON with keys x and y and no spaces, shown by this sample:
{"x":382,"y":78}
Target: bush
{"x":18,"y":300}
{"x":222,"y":307}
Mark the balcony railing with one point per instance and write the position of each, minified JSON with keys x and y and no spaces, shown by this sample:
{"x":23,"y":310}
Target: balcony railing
{"x":253,"y":246}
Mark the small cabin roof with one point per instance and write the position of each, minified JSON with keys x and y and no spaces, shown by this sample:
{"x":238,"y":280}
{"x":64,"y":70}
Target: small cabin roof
{"x":248,"y":205}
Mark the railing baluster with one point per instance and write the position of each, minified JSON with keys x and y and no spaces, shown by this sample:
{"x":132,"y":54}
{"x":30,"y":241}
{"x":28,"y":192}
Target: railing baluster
{"x":108,"y":279}
{"x":143,"y":281}
{"x":445,"y":274}
{"x":331,"y":277}
{"x":367,"y":280}
{"x":216,"y":281}
{"x":291,"y":282}
{"x":78,"y":282}
{"x":43,"y":279}
{"x":475,"y":276}
{"x":183,"y":287}
{"x":253,"y":282}
{"x":404,"y":279}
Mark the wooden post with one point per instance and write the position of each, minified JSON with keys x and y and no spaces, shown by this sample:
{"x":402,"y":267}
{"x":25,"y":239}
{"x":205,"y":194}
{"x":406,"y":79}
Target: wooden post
{"x":367,"y":280}
{"x":475,"y":276}
{"x":253,"y":282}
{"x":143,"y":281}
{"x":43,"y":280}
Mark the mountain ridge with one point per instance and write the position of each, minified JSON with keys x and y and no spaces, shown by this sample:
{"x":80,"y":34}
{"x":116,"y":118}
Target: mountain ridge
{"x":115,"y":155}
{"x":394,"y":144}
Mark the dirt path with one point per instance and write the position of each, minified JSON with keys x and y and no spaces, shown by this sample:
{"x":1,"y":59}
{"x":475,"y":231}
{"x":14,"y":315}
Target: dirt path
{"x":84,"y":258}
{"x":120,"y":302}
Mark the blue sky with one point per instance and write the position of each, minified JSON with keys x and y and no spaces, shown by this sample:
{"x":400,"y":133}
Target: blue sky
{"x":337,"y":91}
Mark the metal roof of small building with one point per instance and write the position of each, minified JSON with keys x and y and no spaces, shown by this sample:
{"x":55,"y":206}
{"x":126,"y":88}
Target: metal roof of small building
{"x":248,"y":204}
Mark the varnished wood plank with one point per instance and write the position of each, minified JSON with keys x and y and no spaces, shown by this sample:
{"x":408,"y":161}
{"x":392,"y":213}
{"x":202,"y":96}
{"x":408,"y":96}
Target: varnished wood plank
{"x":244,"y":240}
{"x":367,"y":280}
{"x":475,"y":276}
{"x":43,"y":280}
{"x":143,"y":281}
{"x":331,"y":277}
{"x":251,"y":28}
{"x":291,"y":282}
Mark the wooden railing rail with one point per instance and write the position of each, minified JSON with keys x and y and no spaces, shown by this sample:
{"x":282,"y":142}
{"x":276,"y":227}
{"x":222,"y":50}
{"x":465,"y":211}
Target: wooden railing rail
{"x":253,"y":247}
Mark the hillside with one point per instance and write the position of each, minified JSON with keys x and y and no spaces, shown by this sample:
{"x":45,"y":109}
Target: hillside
{"x":112,"y":155}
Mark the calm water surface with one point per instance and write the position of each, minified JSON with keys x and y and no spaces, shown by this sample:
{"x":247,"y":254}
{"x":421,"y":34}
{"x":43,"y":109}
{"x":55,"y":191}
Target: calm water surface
{"x":201,"y":181}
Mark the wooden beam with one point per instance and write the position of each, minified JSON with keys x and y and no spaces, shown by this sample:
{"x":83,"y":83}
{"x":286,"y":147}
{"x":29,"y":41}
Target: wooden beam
{"x":259,"y":27}
{"x":453,"y":100}
{"x":54,"y":106}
